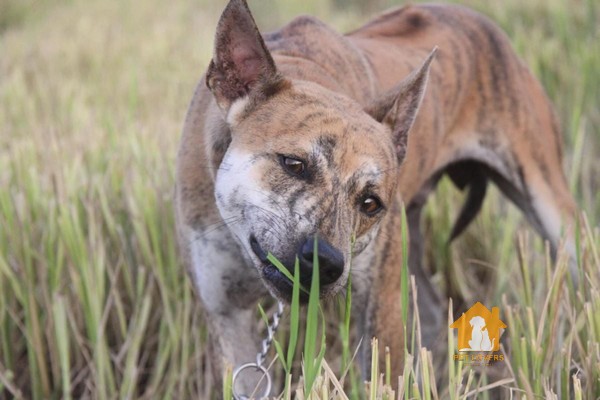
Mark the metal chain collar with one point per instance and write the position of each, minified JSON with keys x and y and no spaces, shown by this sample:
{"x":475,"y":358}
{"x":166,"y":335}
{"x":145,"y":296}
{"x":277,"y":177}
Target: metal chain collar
{"x":260,"y":357}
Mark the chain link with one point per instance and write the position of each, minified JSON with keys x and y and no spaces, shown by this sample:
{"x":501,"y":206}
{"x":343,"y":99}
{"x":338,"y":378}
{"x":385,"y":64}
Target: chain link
{"x":262,"y":355}
{"x":271,"y":330}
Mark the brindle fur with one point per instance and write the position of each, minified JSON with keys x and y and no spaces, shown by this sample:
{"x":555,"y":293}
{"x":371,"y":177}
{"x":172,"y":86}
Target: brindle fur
{"x":345,"y":104}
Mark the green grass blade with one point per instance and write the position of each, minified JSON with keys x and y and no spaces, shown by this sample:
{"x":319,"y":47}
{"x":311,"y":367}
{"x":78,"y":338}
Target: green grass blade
{"x":404,"y":278}
{"x":294,"y":317}
{"x":312,"y":322}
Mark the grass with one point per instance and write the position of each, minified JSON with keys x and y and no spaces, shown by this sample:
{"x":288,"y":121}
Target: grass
{"x":93,"y":301}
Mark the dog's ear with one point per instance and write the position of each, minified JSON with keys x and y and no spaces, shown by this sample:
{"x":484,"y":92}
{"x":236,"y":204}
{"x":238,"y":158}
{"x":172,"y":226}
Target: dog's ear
{"x":241,"y":63}
{"x":398,"y":107}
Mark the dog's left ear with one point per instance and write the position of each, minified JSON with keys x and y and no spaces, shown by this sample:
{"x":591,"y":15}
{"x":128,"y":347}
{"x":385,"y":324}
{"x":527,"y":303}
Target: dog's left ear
{"x":398,"y":107}
{"x":241,"y":63}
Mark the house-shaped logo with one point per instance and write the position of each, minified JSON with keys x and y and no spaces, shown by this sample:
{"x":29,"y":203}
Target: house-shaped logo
{"x":479,"y":329}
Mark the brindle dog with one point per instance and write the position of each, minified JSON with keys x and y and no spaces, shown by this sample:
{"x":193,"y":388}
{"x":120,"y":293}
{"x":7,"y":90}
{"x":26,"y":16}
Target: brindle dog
{"x":305,"y":133}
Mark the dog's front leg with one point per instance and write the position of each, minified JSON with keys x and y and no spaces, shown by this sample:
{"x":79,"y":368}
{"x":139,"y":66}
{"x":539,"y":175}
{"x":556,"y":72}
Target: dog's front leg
{"x":229,"y":291}
{"x":233,"y":341}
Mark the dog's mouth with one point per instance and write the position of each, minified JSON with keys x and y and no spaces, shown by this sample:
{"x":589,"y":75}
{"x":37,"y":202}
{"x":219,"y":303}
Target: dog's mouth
{"x":258,"y":251}
{"x":279,"y":283}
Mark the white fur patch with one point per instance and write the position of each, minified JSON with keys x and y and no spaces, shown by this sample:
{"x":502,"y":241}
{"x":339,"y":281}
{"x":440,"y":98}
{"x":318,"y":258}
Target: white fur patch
{"x":549,"y":217}
{"x":237,"y":189}
{"x":235,"y":183}
{"x":203,"y":256}
{"x":236,"y":110}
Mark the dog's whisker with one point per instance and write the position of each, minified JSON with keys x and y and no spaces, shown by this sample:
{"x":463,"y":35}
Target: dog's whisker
{"x":274,"y":217}
{"x":271,"y":198}
{"x":219,"y":226}
{"x":218,"y":222}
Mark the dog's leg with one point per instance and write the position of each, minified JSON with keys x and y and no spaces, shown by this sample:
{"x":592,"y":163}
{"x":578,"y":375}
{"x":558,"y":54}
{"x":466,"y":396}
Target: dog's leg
{"x":537,"y":186}
{"x":429,"y":303}
{"x":377,"y":296}
{"x":233,"y":340}
{"x":361,"y":285}
{"x":552,"y":211}
{"x":535,"y":160}
{"x":527,"y":168}
{"x":229,"y":292}
{"x":540,"y":190}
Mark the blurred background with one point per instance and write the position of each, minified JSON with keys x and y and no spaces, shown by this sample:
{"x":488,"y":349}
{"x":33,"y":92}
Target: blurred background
{"x":93,"y":94}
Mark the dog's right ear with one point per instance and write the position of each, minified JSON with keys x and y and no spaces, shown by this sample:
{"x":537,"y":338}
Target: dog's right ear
{"x":241,"y":64}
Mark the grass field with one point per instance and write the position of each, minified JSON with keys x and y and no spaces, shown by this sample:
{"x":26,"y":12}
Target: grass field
{"x":93,"y":301}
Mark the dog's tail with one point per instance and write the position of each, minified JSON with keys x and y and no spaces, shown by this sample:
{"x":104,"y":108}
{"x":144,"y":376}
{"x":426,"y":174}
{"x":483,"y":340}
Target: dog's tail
{"x":468,"y":174}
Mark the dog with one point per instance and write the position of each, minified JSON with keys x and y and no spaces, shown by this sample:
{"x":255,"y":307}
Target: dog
{"x":480,"y":338}
{"x":306,"y":134}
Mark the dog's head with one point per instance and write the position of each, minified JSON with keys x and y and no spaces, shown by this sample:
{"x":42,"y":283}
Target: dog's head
{"x":303,"y":161}
{"x":477,"y":322}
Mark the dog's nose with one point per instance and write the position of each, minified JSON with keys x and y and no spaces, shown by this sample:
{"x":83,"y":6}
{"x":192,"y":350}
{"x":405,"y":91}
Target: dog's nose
{"x":331,"y":261}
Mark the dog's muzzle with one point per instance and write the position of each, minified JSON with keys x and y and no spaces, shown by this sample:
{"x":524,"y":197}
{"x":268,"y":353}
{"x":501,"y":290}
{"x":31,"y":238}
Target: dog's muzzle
{"x":331,"y":266}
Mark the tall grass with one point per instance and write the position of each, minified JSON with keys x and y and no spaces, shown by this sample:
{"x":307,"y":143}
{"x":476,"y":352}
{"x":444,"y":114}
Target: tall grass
{"x":93,"y":301}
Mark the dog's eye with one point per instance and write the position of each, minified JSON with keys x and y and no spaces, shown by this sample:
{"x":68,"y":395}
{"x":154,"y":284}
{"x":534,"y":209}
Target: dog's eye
{"x":371,"y":205}
{"x":293,"y":165}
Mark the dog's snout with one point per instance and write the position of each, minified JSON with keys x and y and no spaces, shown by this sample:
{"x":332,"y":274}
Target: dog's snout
{"x":331,"y":261}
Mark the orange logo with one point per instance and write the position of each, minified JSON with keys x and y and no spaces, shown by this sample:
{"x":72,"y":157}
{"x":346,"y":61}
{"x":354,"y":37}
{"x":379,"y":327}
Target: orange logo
{"x":479,"y":329}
